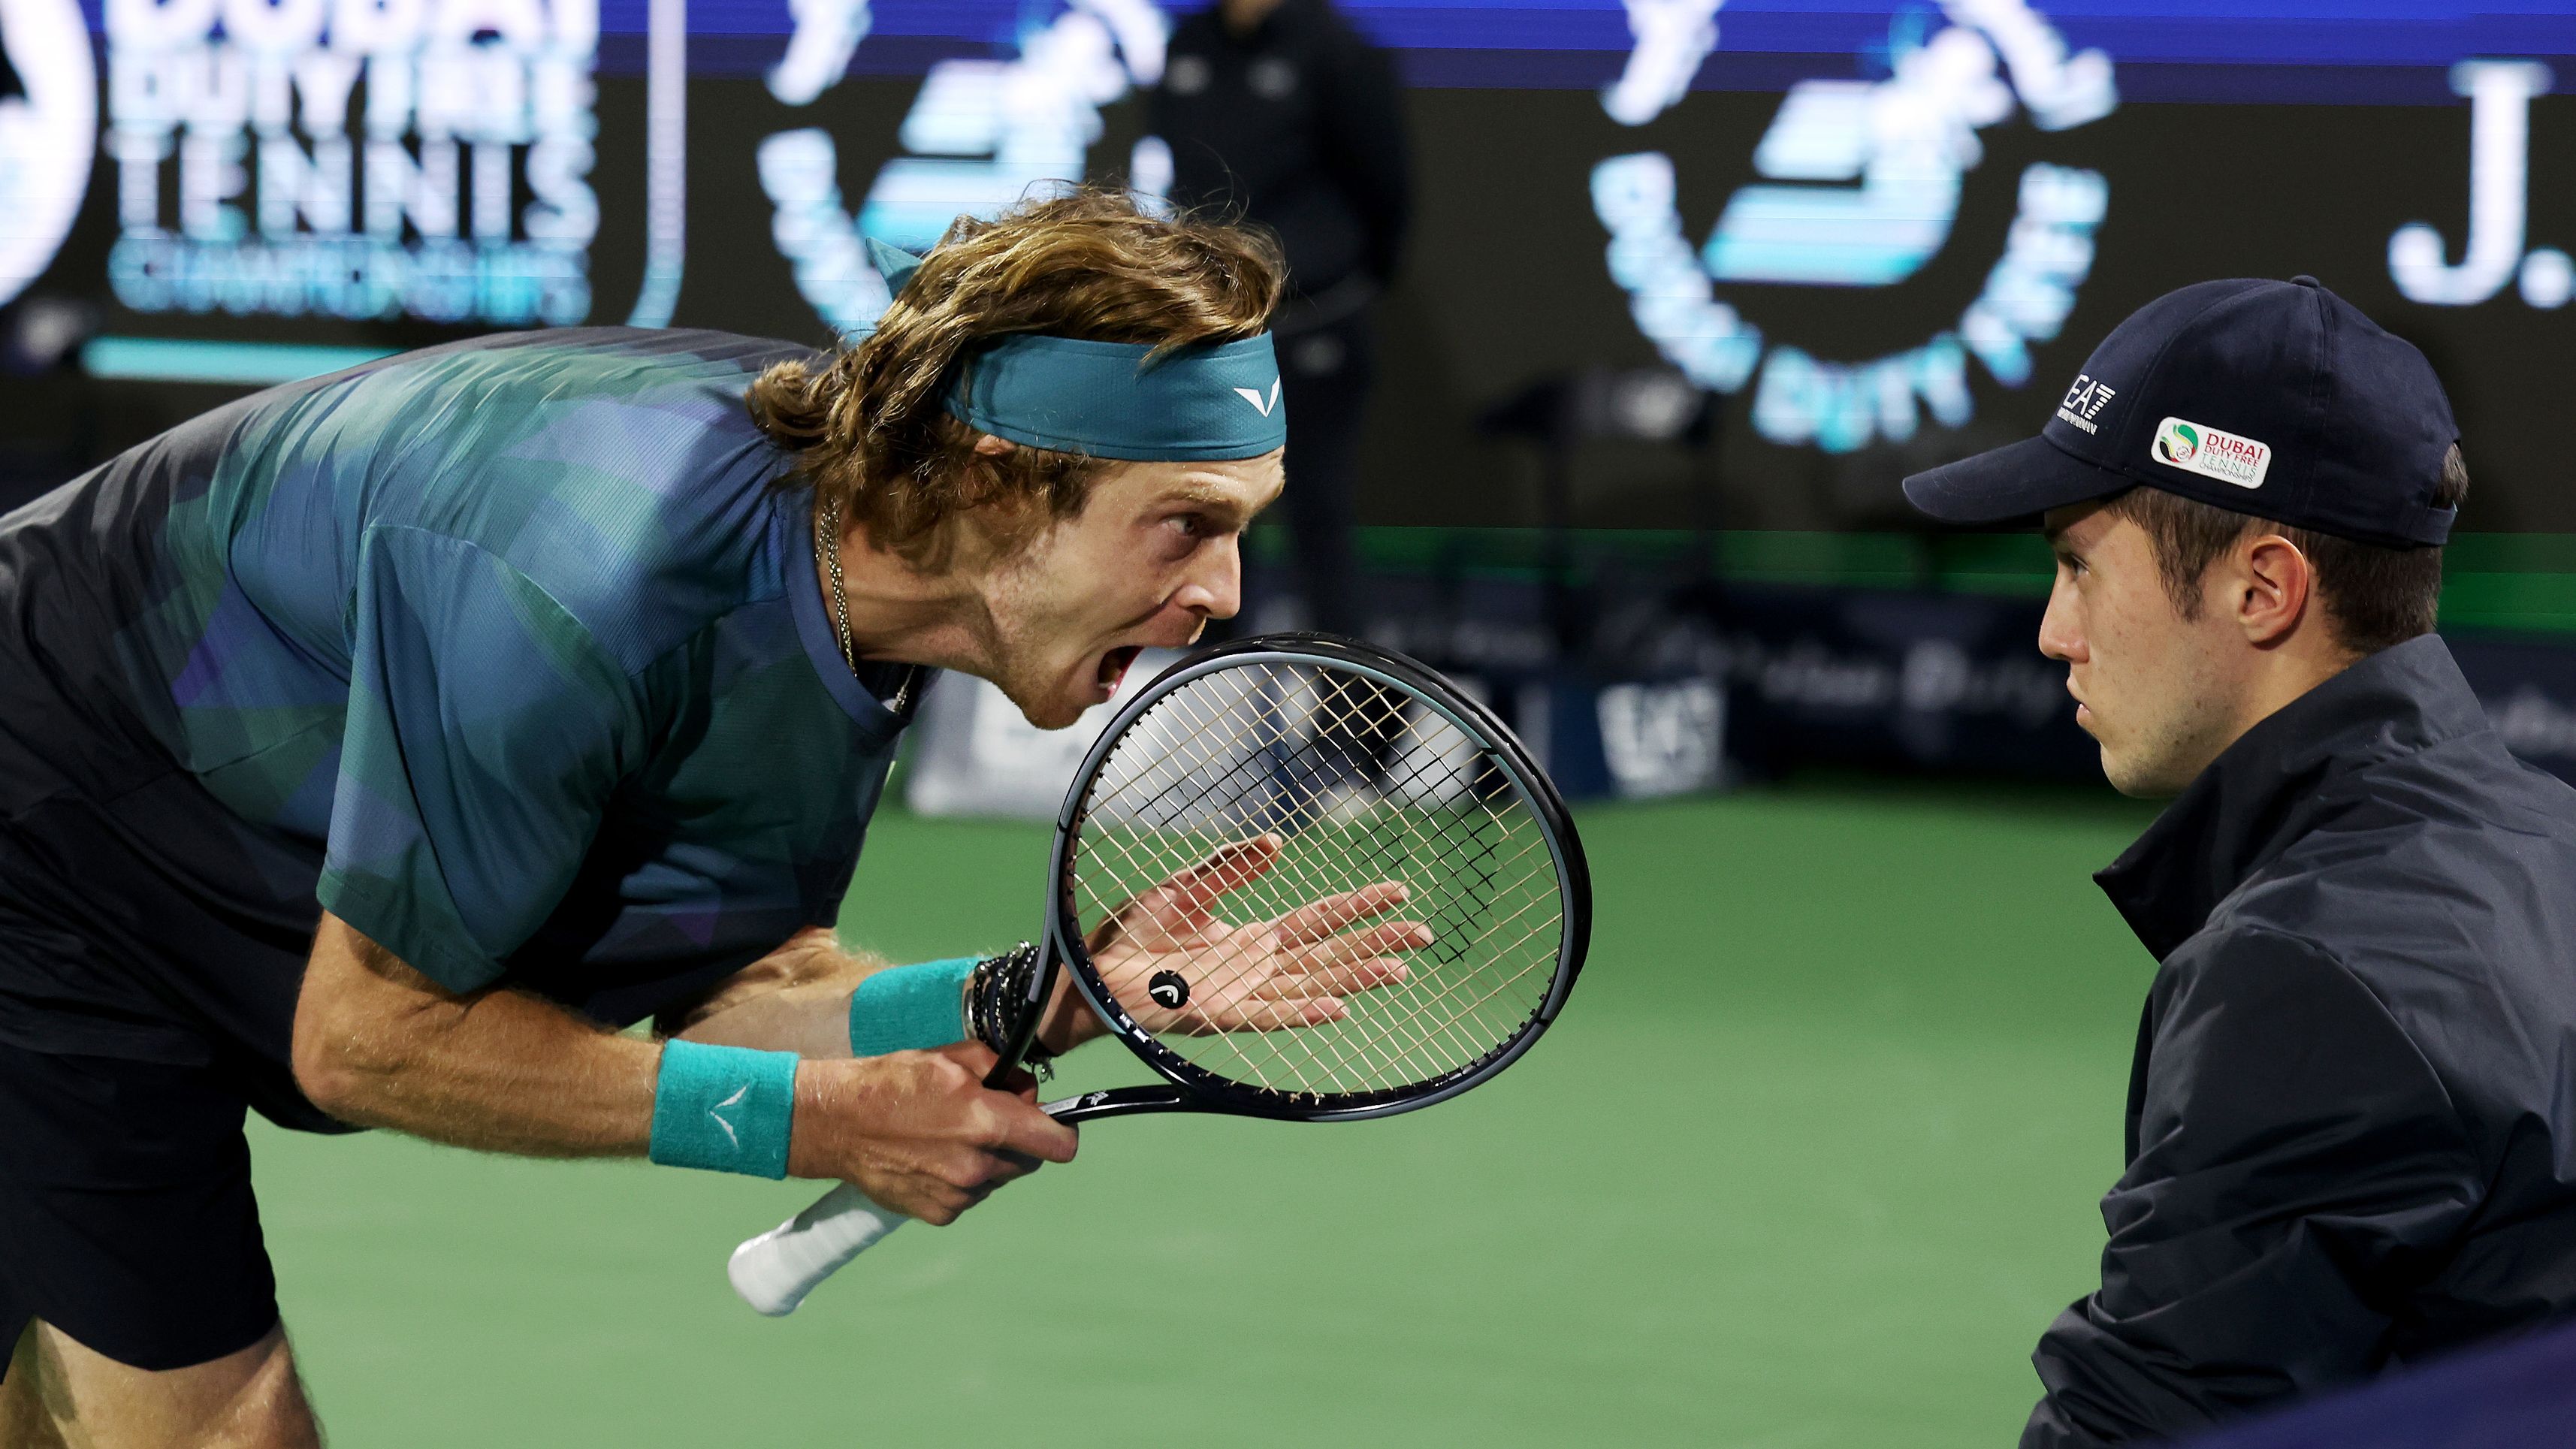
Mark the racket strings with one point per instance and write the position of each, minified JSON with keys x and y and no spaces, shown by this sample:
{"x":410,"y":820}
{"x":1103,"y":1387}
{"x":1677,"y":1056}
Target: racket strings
{"x":1224,"y":797}
{"x":1474,"y":861}
{"x":1302,"y":809}
{"x":1364,"y":784}
{"x":1290,"y":809}
{"x":1454,"y":935}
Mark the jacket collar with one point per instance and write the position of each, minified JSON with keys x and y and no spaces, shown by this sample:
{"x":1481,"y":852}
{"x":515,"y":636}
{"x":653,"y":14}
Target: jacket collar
{"x":2271,"y":786}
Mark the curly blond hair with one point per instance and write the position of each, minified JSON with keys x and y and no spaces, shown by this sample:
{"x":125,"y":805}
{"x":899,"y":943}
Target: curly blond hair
{"x":870,"y":426}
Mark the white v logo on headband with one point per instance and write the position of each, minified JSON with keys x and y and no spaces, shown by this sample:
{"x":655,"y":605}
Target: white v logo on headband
{"x":1254,"y":397}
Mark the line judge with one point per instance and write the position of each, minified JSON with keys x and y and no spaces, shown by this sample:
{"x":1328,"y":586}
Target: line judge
{"x":2352,"y":1116}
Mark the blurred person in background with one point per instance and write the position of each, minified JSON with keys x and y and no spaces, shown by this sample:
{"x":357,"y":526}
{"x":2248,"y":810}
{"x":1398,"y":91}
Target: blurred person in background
{"x":2351,"y":1135}
{"x":1280,"y":110}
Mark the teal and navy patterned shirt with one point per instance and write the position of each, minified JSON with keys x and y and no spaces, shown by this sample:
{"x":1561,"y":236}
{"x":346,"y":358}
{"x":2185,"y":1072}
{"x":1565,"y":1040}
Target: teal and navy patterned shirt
{"x":511,"y":653}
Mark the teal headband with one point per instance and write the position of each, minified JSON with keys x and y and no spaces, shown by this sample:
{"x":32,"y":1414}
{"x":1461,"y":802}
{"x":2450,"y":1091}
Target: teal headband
{"x":1208,"y":402}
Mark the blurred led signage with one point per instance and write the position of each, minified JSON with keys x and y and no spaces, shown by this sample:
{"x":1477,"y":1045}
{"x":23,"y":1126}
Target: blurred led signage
{"x":1835,"y":213}
{"x":1863,"y":182}
{"x":353,"y":158}
{"x":2499,"y":93}
{"x":48,"y":129}
{"x":980,"y":135}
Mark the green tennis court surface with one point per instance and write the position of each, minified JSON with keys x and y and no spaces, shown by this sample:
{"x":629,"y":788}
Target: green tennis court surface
{"x":1809,"y":1161}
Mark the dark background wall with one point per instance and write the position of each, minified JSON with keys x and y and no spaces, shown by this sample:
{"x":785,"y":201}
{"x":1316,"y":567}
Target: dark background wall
{"x":1505,"y":280}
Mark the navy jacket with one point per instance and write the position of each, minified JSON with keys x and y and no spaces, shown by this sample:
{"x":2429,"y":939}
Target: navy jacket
{"x":2352,"y":1119}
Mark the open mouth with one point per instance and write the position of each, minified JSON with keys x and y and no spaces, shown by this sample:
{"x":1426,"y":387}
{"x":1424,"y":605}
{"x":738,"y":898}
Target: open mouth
{"x":1114,"y":665}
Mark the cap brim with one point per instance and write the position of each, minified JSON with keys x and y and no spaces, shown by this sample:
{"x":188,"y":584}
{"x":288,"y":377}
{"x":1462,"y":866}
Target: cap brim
{"x":2015,"y":482}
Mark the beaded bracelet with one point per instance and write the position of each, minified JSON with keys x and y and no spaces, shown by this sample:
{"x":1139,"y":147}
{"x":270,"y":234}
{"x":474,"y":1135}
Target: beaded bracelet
{"x":996,"y":996}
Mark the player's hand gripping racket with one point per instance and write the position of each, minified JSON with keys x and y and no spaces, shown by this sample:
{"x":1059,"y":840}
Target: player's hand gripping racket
{"x":1299,"y":877}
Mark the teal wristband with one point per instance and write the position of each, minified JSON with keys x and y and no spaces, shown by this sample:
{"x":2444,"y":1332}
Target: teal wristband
{"x":723,"y":1108}
{"x":910,"y":1008}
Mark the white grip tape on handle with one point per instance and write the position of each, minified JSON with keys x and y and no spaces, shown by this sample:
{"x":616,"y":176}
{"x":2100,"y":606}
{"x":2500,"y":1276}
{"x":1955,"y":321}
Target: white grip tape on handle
{"x":774,"y":1272}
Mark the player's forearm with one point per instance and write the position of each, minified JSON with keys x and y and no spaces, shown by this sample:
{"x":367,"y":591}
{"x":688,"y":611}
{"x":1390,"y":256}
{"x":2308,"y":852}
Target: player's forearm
{"x":795,"y":999}
{"x":811,"y":1021}
{"x":378,"y":1044}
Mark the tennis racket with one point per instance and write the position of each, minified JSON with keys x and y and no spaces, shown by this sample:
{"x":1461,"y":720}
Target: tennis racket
{"x":1300,"y":878}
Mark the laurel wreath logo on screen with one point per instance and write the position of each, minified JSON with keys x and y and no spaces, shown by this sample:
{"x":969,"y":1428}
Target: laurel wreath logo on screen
{"x":979,"y":136}
{"x":1861,"y":184}
{"x":48,"y":127}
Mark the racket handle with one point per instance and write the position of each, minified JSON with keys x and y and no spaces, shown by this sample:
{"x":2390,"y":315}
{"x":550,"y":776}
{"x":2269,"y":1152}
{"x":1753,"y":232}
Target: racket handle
{"x":774,"y":1272}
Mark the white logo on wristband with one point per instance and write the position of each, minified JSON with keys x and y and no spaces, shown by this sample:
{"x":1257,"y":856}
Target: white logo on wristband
{"x":717,"y":1112}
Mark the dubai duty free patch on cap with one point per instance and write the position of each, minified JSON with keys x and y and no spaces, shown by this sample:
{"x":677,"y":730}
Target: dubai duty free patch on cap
{"x":2212,"y":452}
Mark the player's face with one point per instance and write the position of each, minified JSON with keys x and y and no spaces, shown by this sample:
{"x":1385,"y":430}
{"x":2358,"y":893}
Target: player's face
{"x":2153,"y":689}
{"x":1153,"y":555}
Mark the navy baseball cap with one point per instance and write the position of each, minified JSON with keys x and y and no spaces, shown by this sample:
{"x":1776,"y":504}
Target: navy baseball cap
{"x":2278,"y":399}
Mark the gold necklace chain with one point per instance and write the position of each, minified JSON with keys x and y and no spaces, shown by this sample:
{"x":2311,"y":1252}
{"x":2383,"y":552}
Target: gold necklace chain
{"x":827,"y":552}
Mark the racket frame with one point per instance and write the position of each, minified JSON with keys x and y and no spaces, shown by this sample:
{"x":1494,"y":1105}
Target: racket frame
{"x":774,"y":1271}
{"x":1194,"y":1089}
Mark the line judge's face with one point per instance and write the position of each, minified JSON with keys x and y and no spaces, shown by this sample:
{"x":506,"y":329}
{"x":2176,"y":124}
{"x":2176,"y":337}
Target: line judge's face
{"x":1154,"y":554}
{"x":2152,"y":688}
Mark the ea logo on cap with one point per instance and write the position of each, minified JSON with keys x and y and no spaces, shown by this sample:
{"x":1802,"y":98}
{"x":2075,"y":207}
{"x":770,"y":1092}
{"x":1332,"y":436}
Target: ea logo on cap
{"x":2084,"y":402}
{"x":48,"y":128}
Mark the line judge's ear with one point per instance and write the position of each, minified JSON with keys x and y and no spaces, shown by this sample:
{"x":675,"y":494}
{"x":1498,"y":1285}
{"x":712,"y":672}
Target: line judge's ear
{"x":988,"y":446}
{"x":2278,"y":588}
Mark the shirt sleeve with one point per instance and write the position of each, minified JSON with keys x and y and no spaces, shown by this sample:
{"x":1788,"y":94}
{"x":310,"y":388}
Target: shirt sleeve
{"x":2298,"y":1167}
{"x":486,"y":732}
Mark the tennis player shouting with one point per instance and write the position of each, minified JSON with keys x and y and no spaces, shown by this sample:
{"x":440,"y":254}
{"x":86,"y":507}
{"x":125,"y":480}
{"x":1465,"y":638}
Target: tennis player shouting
{"x":371,"y":747}
{"x":2352,"y":1135}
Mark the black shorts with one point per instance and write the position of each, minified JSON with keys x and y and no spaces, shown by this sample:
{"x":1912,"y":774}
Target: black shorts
{"x":126,"y":1216}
